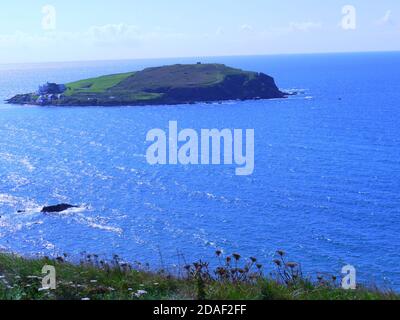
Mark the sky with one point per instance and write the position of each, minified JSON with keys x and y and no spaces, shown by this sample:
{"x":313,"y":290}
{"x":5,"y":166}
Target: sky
{"x":59,"y":30}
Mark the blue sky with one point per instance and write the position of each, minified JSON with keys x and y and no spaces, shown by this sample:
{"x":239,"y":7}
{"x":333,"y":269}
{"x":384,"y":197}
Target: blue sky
{"x":128,"y":29}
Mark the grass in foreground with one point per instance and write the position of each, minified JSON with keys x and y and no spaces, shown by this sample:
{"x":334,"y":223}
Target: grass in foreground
{"x":234,"y":279}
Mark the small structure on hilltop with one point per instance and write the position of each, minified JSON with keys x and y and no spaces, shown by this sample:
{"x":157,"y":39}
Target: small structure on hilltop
{"x":51,"y":88}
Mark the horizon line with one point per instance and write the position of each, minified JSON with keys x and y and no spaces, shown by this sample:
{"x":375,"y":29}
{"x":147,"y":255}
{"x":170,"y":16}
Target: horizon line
{"x":199,"y":57}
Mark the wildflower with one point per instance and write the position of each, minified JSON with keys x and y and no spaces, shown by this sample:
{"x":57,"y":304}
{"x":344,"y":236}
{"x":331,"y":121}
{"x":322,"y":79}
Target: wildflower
{"x":291,"y":265}
{"x":278,"y":263}
{"x":140,"y":293}
{"x":221,"y":271}
{"x":236,"y":256}
{"x":259,"y":266}
{"x":228,"y":259}
{"x":254,"y":260}
{"x":218,"y":253}
{"x":281,"y":253}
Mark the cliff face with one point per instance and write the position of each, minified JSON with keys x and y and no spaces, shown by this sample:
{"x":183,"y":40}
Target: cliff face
{"x":175,"y":84}
{"x":234,"y":87}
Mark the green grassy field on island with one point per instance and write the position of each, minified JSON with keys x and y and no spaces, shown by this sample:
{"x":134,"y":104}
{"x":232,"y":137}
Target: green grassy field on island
{"x":96,"y":85}
{"x":235,"y":279}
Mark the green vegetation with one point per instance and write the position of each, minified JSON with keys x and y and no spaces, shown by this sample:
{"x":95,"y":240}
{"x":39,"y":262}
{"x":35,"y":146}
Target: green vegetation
{"x":175,"y":84}
{"x":180,"y":76}
{"x":96,"y":85}
{"x":20,"y":279}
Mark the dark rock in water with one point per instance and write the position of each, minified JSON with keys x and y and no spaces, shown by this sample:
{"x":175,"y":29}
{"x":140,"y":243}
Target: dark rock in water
{"x":58,"y":208}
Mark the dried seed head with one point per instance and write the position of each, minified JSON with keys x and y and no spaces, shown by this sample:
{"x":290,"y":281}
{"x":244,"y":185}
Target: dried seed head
{"x":281,"y":253}
{"x":291,"y":265}
{"x":236,"y":256}
{"x":278,"y":263}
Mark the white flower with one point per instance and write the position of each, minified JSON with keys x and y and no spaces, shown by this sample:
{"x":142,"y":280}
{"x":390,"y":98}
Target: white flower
{"x":140,"y":293}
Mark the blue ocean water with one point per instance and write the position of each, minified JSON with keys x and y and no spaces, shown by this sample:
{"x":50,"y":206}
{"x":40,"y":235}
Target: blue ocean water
{"x":325,"y":187}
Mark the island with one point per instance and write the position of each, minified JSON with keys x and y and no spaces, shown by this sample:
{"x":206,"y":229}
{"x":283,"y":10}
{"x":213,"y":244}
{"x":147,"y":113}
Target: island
{"x":166,"y":85}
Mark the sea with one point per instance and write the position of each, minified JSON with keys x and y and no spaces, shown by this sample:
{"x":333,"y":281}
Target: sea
{"x":325,"y":189}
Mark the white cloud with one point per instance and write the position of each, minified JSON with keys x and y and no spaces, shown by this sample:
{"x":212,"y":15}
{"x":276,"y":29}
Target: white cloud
{"x":114,"y":34}
{"x":304,"y":26}
{"x":246,"y":28}
{"x":121,"y":34}
{"x":111,"y":41}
